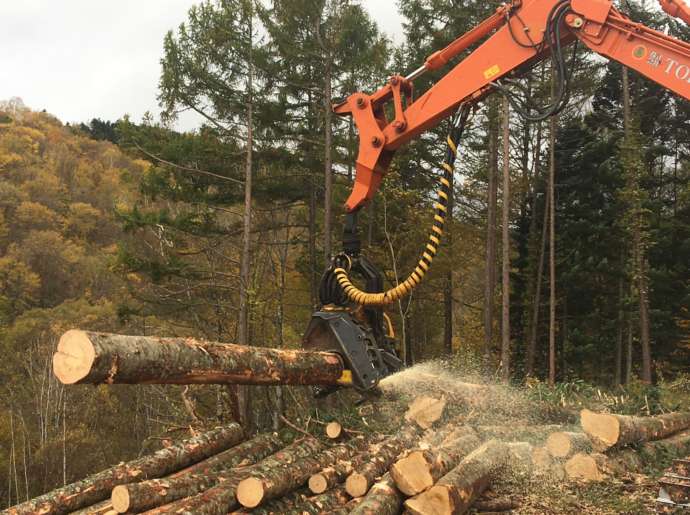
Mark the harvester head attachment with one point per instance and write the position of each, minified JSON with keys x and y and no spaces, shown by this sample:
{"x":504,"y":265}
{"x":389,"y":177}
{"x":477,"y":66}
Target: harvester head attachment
{"x":334,"y":329}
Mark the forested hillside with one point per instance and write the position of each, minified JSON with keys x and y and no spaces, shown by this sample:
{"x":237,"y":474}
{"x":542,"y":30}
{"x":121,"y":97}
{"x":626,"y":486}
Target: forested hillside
{"x":574,"y":270}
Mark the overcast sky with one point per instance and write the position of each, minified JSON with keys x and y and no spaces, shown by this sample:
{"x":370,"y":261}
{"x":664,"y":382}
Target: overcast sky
{"x":83,"y":59}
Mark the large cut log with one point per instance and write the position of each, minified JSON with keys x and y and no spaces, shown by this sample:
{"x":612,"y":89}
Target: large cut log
{"x":455,"y":492}
{"x":265,"y":483}
{"x":97,"y":487}
{"x":633,"y":460}
{"x":383,"y":499}
{"x":95,"y":358}
{"x":137,"y":497}
{"x":420,"y":469}
{"x":563,"y":444}
{"x":358,"y":483}
{"x":587,"y":467}
{"x":607,"y":430}
{"x":221,"y":498}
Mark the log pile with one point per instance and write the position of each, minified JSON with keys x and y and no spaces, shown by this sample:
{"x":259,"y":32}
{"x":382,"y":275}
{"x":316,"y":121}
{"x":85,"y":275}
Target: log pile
{"x":435,"y":455}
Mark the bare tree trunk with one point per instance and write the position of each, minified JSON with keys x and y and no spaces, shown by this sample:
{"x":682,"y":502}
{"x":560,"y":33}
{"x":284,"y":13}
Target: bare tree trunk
{"x":629,"y":352}
{"x":618,"y":361}
{"x":505,"y":243}
{"x":640,"y":258}
{"x":328,"y":161}
{"x":552,"y":244}
{"x":242,"y":408}
{"x":490,"y":262}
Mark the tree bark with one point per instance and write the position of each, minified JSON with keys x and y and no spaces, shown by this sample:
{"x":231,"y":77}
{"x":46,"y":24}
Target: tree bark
{"x":553,"y":126}
{"x":242,"y":402}
{"x":323,"y":503}
{"x":269,"y":482}
{"x":359,"y":482}
{"x":420,"y":470}
{"x":456,"y":491}
{"x":330,"y":476}
{"x":383,"y":499}
{"x":505,"y":244}
{"x":563,"y":444}
{"x":97,"y":487}
{"x":328,"y":158}
{"x":608,"y":430}
{"x":142,"y":496}
{"x":97,"y":358}
{"x":221,"y":499}
{"x":490,"y":261}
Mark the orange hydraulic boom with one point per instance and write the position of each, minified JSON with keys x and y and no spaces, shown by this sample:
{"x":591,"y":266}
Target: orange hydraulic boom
{"x":519,"y":34}
{"x":517,"y":37}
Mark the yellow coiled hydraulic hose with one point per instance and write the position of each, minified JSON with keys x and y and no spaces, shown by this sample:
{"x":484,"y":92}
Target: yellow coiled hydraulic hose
{"x":441,"y":210}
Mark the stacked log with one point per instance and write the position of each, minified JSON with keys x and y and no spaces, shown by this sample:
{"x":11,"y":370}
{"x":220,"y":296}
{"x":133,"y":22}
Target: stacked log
{"x":98,"y":487}
{"x":564,"y":444}
{"x":138,"y":497}
{"x":359,"y":482}
{"x":440,"y":470}
{"x":608,"y":430}
{"x":421,"y":469}
{"x":458,"y":489}
{"x":268,"y":482}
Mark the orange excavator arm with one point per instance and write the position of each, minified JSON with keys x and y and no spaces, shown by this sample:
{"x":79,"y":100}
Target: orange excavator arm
{"x":518,"y":35}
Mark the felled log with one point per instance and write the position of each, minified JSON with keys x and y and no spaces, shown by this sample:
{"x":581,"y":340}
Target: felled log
{"x":265,"y":483}
{"x":358,"y":483}
{"x":96,"y":358}
{"x":330,"y":476}
{"x":512,"y":432}
{"x":383,"y":498}
{"x":545,"y":465}
{"x":348,"y":508}
{"x":424,"y":411}
{"x":137,"y":497}
{"x":101,"y":508}
{"x":334,"y":430}
{"x":97,"y":487}
{"x":323,"y":503}
{"x":607,"y":430}
{"x":456,"y":491}
{"x":632,"y":460}
{"x":221,"y":499}
{"x":587,"y":467}
{"x":420,"y":469}
{"x":496,"y":505}
{"x":563,"y":444}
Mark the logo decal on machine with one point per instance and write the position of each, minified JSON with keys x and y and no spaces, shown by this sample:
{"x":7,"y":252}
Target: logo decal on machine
{"x":669,"y":65}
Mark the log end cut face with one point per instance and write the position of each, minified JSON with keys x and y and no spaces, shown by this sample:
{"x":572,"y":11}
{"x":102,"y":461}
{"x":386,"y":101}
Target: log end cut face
{"x":74,"y":357}
{"x":250,"y":492}
{"x":120,"y":499}
{"x":435,"y":501}
{"x":411,"y":474}
{"x":318,"y":484}
{"x":602,"y":428}
{"x":356,"y":484}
